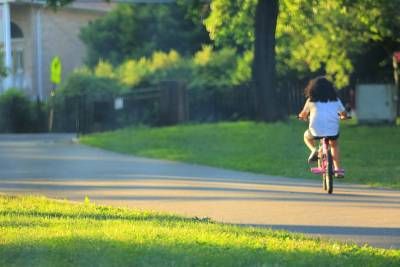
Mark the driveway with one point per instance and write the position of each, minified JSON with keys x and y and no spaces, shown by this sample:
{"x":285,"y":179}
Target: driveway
{"x":54,"y":166}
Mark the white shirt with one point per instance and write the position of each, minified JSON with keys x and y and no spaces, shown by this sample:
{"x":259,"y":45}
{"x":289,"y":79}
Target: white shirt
{"x":324,"y":118}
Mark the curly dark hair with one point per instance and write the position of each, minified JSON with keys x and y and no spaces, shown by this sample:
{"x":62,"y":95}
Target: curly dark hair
{"x":320,"y":89}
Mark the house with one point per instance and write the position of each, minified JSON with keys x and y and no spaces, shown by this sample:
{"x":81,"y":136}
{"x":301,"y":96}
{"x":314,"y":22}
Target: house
{"x":32,"y":34}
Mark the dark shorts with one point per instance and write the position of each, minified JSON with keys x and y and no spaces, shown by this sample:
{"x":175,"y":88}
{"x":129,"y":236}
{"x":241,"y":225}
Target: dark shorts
{"x":310,"y":136}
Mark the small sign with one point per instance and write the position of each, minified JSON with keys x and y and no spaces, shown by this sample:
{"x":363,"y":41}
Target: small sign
{"x":118,"y":103}
{"x":55,"y":70}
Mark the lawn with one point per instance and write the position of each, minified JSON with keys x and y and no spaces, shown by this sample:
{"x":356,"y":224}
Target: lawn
{"x":370,"y":154}
{"x":35,"y":231}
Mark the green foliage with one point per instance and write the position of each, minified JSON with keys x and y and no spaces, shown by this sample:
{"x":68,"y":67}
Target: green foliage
{"x":213,"y":69}
{"x":196,"y":10}
{"x":163,"y":66}
{"x":208,"y":68}
{"x":242,"y":74}
{"x":121,"y":34}
{"x":81,"y":83}
{"x":133,"y":72}
{"x":19,"y":114}
{"x":232,"y":23}
{"x":169,"y":66}
{"x":312,"y":35}
{"x":144,"y":71}
{"x":104,"y":69}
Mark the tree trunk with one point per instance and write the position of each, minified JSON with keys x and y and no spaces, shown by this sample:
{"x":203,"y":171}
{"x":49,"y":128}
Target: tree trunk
{"x":268,"y":104}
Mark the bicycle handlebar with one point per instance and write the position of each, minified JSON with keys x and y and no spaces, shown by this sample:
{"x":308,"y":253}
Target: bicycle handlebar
{"x":346,"y":118}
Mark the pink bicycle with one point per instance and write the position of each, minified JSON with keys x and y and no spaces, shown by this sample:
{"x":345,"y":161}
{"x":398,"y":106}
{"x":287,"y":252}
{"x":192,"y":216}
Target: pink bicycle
{"x":325,"y":163}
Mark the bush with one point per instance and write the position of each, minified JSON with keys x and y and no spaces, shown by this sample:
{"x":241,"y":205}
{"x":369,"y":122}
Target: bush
{"x":104,"y":69}
{"x":207,"y":69}
{"x":168,"y":66}
{"x":132,"y":72}
{"x":19,"y":114}
{"x":149,"y":71}
{"x":78,"y":84}
{"x":213,"y":69}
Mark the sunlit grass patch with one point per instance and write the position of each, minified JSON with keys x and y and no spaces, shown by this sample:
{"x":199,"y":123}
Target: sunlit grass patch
{"x":370,"y":155}
{"x":41,"y":232}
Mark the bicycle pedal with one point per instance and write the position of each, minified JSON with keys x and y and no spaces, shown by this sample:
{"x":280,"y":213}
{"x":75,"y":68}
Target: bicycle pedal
{"x":317,"y":170}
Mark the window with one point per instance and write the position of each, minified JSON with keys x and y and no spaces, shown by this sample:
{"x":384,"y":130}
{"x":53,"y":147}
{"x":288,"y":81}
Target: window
{"x":16,"y":32}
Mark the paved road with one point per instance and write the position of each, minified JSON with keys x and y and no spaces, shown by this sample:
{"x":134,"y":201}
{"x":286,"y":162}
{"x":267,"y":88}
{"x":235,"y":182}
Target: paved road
{"x":55,"y":166}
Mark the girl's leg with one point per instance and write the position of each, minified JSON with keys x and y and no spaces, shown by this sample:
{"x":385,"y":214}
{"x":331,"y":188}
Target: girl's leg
{"x":309,"y":140}
{"x":335,"y":153}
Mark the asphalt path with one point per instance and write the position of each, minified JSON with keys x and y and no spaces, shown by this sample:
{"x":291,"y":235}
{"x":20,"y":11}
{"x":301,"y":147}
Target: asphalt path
{"x":55,"y":166}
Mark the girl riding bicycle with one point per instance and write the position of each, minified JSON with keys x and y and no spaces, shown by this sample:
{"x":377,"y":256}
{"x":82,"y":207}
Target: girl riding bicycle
{"x":322,"y":108}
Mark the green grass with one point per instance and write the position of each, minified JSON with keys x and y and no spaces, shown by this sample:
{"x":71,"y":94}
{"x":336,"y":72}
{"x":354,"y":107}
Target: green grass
{"x":370,"y":155}
{"x":41,"y":232}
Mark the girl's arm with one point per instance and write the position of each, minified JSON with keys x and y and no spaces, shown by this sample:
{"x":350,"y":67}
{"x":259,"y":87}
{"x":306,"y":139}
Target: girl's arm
{"x":342,"y":111}
{"x":305,"y":112}
{"x":343,"y":115}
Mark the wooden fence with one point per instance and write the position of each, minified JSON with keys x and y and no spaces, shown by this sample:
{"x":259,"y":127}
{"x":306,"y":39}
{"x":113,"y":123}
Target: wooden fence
{"x":168,"y":104}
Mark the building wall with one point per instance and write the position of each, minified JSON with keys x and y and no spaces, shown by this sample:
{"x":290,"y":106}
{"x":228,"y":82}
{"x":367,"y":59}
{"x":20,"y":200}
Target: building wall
{"x":60,"y":37}
{"x":48,"y":34}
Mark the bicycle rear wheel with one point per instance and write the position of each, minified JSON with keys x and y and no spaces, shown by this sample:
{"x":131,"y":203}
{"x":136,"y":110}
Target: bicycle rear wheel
{"x":320,"y":165}
{"x":329,"y":173}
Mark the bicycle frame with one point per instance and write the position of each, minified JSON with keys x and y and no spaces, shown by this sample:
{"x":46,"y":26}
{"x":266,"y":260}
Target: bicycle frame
{"x":325,"y":165}
{"x":322,"y":156}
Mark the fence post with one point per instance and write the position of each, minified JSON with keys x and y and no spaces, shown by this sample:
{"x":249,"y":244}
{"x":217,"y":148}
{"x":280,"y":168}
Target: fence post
{"x":174,"y":108}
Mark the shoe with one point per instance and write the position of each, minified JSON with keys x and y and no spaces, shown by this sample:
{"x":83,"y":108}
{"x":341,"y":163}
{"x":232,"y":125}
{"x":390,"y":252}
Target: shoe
{"x":313,"y":156}
{"x":339,"y":173}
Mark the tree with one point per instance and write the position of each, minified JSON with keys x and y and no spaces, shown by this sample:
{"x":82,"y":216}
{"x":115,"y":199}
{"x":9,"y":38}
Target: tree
{"x":333,"y":35}
{"x":137,"y":30}
{"x":121,"y":34}
{"x":268,"y":105}
{"x":313,"y":36}
{"x":247,"y":24}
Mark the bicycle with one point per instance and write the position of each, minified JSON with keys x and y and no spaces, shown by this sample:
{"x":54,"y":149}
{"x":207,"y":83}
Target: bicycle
{"x":325,"y":163}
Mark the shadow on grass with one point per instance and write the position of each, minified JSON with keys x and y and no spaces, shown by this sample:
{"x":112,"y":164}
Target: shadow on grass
{"x":96,"y":215}
{"x":19,"y":224}
{"x":103,"y":252}
{"x":382,"y":237}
